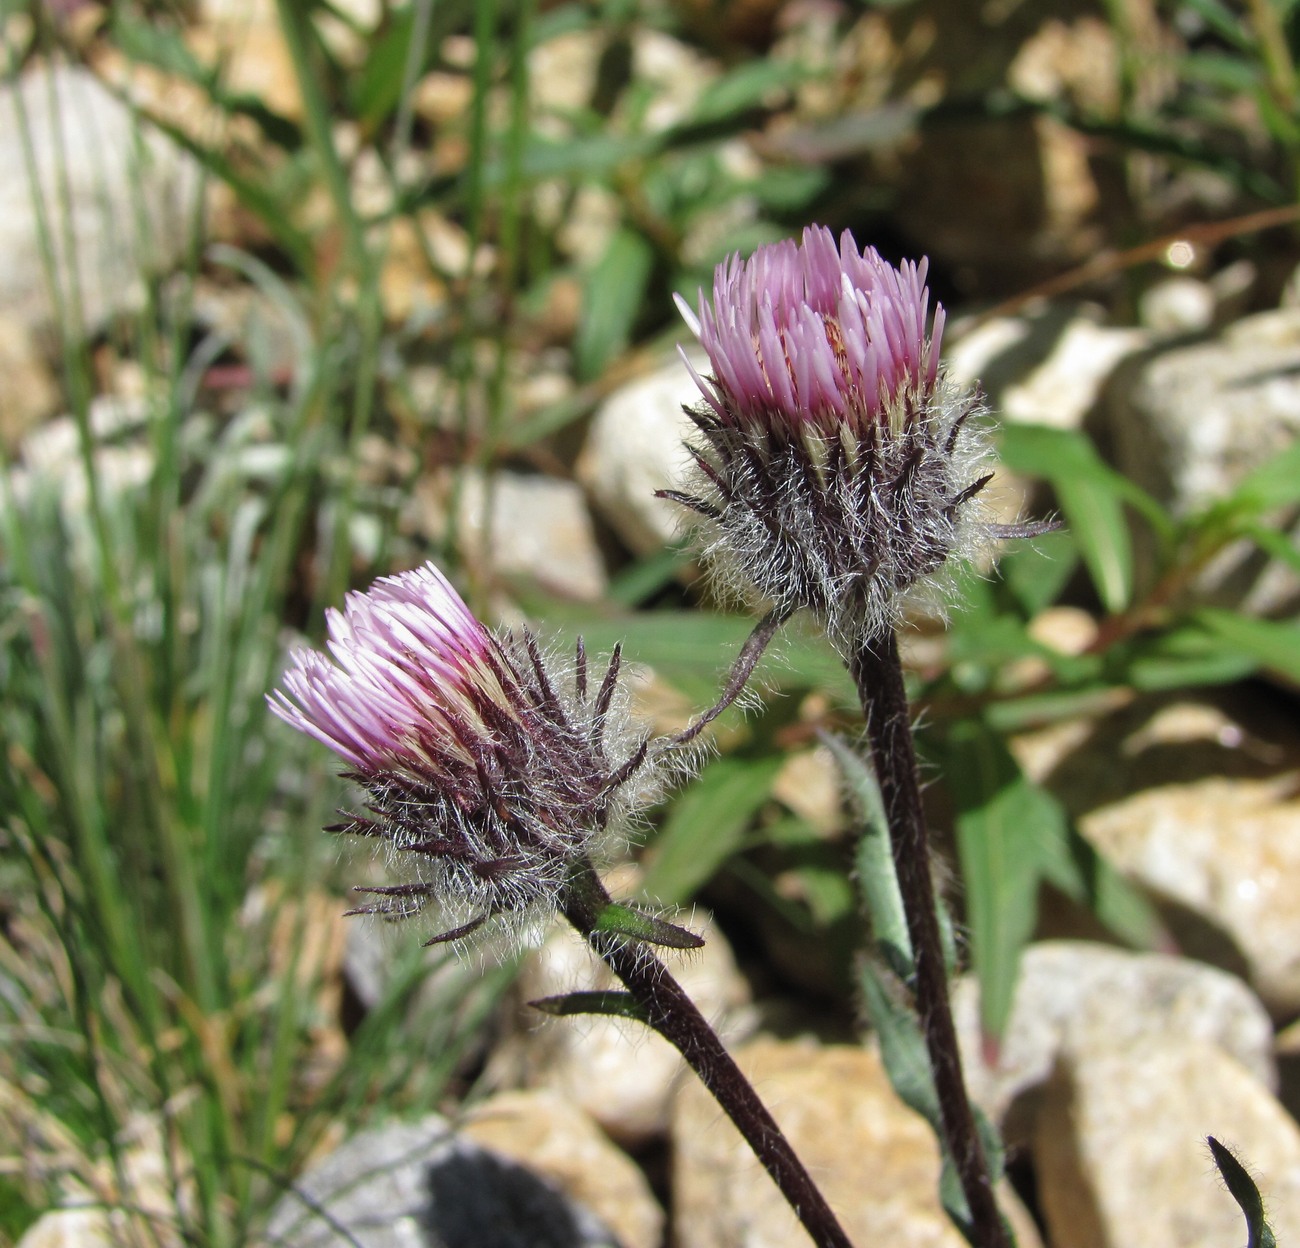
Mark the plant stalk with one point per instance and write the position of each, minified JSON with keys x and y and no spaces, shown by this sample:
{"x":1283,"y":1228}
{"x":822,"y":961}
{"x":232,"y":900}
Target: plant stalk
{"x":671,"y":1013}
{"x":878,"y":673}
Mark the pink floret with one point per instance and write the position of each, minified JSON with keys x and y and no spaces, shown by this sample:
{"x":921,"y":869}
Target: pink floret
{"x":815,"y":333}
{"x":410,"y":664}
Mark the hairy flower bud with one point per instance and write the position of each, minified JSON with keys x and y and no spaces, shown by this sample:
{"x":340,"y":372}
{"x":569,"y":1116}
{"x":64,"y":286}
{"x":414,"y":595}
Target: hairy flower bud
{"x":837,"y":468}
{"x":487,"y":774}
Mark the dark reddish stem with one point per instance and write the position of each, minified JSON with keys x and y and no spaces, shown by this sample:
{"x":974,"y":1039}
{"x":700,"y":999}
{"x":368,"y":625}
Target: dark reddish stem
{"x":878,"y":674}
{"x":671,"y":1013}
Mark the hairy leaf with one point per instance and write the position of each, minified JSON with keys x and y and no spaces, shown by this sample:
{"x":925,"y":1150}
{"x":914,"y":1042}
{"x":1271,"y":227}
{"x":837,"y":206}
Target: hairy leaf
{"x":1245,"y":1193}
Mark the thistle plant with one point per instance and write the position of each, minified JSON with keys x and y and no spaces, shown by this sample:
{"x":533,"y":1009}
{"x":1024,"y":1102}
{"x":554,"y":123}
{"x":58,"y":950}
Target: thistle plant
{"x":500,"y":781}
{"x":838,"y":471}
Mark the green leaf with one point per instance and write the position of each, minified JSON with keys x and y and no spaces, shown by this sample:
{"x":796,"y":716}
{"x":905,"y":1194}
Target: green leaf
{"x":648,"y":575}
{"x":707,"y":825}
{"x":1071,"y":864}
{"x":1037,"y":573}
{"x":1000,"y":816}
{"x":827,"y":890}
{"x":1220,"y":18}
{"x":1273,"y":485}
{"x":902,"y":1047}
{"x":788,"y":190}
{"x":595,"y":156}
{"x":744,"y":88}
{"x":1245,"y":1193}
{"x":619,"y":920}
{"x":692,"y":649}
{"x":1092,"y":496}
{"x":874,"y":860}
{"x":610,"y":1004}
{"x":1280,"y":545}
{"x":907,"y":1063}
{"x":152,"y":43}
{"x":1272,"y":644}
{"x":1227,"y":73}
{"x":1038,"y":710}
{"x":1184,"y":656}
{"x":160,"y":45}
{"x":613,"y":297}
{"x":377,"y":88}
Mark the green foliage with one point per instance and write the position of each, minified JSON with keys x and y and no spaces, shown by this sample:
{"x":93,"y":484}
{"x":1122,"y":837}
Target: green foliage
{"x":707,"y":824}
{"x":881,"y":979}
{"x":609,"y":1004}
{"x":615,"y":294}
{"x":633,"y":924}
{"x":1225,"y":102}
{"x":902,"y":1049}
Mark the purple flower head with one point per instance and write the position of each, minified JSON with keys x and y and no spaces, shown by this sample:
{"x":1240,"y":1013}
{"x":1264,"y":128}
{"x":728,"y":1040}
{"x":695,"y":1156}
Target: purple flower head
{"x":816,"y":334}
{"x":489,"y":776}
{"x":837,"y":469}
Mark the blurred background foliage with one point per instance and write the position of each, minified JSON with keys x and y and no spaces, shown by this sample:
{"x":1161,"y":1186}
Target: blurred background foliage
{"x":425,"y":242}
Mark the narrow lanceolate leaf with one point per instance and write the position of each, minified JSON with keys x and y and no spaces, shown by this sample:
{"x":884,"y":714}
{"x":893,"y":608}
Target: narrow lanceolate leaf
{"x":906,"y":1062}
{"x":1275,"y":483}
{"x":1245,"y":1193}
{"x":1272,"y":644}
{"x":613,"y":296}
{"x":707,"y":825}
{"x":902,"y":1047}
{"x":617,"y":920}
{"x":1000,"y":818}
{"x":610,"y":1004}
{"x":1096,"y":518}
{"x":690,"y":649}
{"x":1004,"y":816}
{"x":1092,"y":496}
{"x":874,"y":860}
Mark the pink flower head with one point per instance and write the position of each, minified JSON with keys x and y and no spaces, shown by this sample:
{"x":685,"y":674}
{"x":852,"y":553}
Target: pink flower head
{"x":412,"y":676}
{"x":816,"y":334}
{"x":487,"y":774}
{"x":836,"y":469}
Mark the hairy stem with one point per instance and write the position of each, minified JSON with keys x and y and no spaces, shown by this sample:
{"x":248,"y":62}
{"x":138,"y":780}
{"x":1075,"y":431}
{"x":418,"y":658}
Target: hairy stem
{"x":878,"y":674}
{"x":675,"y":1017}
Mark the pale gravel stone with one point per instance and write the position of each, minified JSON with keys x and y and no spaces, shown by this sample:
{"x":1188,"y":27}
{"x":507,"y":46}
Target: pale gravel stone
{"x":29,"y":393}
{"x":1045,"y":369}
{"x":119,"y":198}
{"x":1178,"y":305}
{"x":635,"y":446}
{"x":1077,"y":997}
{"x":1228,"y":849}
{"x":618,"y":1071}
{"x":1196,"y":801}
{"x":71,"y":1228}
{"x":875,"y":1160}
{"x":373,"y":1184}
{"x":519,"y":525}
{"x":418,"y":1185}
{"x":1187,"y":424}
{"x":1120,"y":1150}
